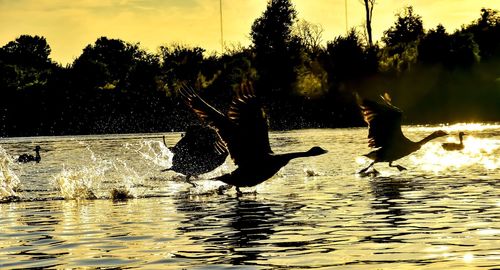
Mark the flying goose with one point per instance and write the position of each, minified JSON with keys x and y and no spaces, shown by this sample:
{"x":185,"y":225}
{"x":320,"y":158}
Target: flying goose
{"x":385,"y":134}
{"x":244,"y":130}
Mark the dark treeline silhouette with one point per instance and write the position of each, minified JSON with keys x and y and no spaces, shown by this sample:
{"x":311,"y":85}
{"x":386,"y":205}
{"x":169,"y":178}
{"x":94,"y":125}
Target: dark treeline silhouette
{"x":116,"y":87}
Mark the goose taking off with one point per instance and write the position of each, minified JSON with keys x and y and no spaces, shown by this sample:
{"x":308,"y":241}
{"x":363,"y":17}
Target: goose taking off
{"x":244,"y":130}
{"x":25,"y":158}
{"x":199,"y":151}
{"x":455,"y":146}
{"x":384,"y":133}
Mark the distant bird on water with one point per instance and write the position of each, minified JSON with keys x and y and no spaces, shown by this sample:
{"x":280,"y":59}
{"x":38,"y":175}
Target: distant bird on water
{"x":25,"y":158}
{"x":384,"y":133}
{"x":244,"y":130}
{"x":199,"y":151}
{"x":455,"y":146}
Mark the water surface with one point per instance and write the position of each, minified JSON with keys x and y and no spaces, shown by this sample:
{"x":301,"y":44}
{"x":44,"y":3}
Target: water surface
{"x":317,"y":212}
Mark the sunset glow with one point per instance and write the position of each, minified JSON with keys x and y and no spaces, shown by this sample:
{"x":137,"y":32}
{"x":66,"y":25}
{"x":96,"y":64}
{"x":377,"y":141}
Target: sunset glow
{"x":70,"y":26}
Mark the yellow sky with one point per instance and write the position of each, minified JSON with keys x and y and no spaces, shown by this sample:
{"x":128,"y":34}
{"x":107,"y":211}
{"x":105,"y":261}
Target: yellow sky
{"x":69,"y":26}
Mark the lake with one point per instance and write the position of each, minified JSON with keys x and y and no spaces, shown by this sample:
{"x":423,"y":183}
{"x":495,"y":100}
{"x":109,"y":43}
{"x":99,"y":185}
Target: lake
{"x":317,"y":212}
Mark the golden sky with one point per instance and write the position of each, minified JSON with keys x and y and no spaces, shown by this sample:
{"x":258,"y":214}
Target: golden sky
{"x":69,"y":26}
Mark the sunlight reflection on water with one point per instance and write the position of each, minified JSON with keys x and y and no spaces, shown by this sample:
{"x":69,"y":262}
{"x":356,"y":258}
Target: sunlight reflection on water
{"x":315,"y":213}
{"x":477,"y":151}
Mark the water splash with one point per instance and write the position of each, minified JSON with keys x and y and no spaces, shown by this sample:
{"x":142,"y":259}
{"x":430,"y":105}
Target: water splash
{"x":102,"y":178}
{"x":9,"y":182}
{"x":78,"y":183}
{"x":154,"y":152}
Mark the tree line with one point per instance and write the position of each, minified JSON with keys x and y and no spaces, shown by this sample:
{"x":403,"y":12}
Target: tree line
{"x":117,"y":87}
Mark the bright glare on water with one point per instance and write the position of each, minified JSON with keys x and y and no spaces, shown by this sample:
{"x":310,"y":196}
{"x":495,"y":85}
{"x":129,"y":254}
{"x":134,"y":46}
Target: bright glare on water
{"x":317,"y":212}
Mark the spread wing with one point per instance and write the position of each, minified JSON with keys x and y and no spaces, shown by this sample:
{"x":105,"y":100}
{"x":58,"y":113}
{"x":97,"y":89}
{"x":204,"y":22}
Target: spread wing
{"x":244,"y":130}
{"x":251,"y":138}
{"x":204,"y":110}
{"x":384,"y":122}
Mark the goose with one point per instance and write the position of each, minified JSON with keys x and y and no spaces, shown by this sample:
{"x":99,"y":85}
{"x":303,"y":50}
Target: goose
{"x":245,"y":132}
{"x":199,"y":151}
{"x":455,"y":146}
{"x":385,"y":134}
{"x":25,"y":158}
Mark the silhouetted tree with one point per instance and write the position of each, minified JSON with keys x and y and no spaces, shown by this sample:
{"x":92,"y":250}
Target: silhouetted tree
{"x":26,"y":50}
{"x":25,"y":70}
{"x":309,"y":35}
{"x":408,"y":28}
{"x":115,"y":86}
{"x":348,"y":59}
{"x":435,"y":47}
{"x":276,"y":50}
{"x":401,"y":39}
{"x":464,"y":50}
{"x":486,"y":31}
{"x":180,"y":65}
{"x":106,"y":64}
{"x":25,"y":62}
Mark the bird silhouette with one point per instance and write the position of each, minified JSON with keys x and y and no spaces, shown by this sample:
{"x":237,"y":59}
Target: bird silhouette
{"x":385,"y":134}
{"x":455,"y":146}
{"x":25,"y":158}
{"x":244,"y":130}
{"x":200,"y":150}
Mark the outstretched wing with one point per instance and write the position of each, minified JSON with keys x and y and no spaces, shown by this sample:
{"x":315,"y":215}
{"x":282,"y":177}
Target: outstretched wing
{"x":251,"y":140}
{"x":204,"y":110}
{"x":384,"y":122}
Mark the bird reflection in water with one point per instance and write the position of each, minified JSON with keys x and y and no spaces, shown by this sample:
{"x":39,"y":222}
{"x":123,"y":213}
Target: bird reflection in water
{"x":229,"y":231}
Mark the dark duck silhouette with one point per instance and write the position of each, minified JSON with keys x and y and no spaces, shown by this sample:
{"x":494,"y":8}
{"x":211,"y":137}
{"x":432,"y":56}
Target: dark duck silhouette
{"x":384,"y":133}
{"x":455,"y":146}
{"x":244,"y":130}
{"x":25,"y":158}
{"x":199,"y":151}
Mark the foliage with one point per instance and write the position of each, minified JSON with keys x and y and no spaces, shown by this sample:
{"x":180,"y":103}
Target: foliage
{"x":407,"y":29}
{"x":276,"y":50}
{"x":116,"y":87}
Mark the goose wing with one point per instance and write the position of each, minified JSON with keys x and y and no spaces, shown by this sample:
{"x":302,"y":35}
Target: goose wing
{"x":244,"y":130}
{"x":251,"y":138}
{"x":207,"y":113}
{"x":202,"y":141}
{"x":384,"y":122}
{"x":204,"y":110}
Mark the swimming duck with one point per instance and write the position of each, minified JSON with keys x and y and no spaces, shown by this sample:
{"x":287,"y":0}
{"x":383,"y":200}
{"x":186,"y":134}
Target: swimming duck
{"x":244,"y":130}
{"x":199,"y":151}
{"x":25,"y":158}
{"x":455,"y":146}
{"x":384,"y":133}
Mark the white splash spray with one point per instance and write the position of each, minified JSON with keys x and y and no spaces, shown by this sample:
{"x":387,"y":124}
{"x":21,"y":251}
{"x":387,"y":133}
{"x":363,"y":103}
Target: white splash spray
{"x":9,"y":181}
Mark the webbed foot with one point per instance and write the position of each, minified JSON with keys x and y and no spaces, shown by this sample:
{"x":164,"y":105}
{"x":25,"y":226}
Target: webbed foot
{"x":400,"y":168}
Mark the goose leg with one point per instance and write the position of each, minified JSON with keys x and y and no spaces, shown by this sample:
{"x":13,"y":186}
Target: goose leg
{"x":365,"y":169}
{"x":189,"y":182}
{"x":400,"y":168}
